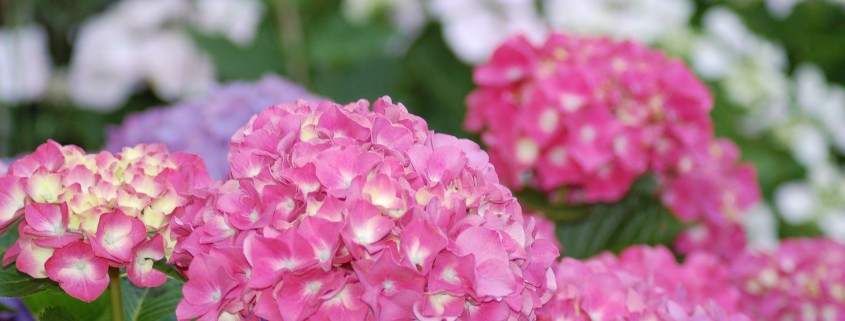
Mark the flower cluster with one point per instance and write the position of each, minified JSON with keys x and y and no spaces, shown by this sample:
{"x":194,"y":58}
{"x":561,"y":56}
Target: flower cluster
{"x":144,"y":41}
{"x":83,"y":213}
{"x":26,"y":63}
{"x":803,"y":280}
{"x":342,"y":213}
{"x":205,"y":126}
{"x":643,"y":283}
{"x":594,"y":115}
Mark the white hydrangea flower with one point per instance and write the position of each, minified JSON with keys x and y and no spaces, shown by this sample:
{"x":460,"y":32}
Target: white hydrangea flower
{"x":24,"y":63}
{"x":138,"y":42}
{"x":235,"y":19}
{"x":642,"y":20}
{"x":175,"y":67}
{"x":797,"y":202}
{"x":761,"y":228}
{"x":107,"y":63}
{"x":474,"y":28}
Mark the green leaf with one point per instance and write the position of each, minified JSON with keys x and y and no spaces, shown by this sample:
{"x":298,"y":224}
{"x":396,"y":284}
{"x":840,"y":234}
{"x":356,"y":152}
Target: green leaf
{"x":150,"y":304}
{"x":41,"y":303}
{"x":170,"y":271}
{"x":57,"y":313}
{"x":637,"y":219}
{"x":13,"y":283}
{"x":8,"y":238}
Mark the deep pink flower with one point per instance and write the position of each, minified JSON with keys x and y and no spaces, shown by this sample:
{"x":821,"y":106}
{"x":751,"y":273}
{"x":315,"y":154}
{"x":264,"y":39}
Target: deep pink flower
{"x":346,"y":213}
{"x":140,"y":270}
{"x":582,"y":119}
{"x":79,"y":272}
{"x":803,"y":280}
{"x":643,"y":283}
{"x":116,"y":206}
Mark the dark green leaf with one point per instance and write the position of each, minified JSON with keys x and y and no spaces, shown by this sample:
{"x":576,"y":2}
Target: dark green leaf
{"x":151,"y":304}
{"x":637,"y":219}
{"x":57,"y":313}
{"x":98,"y":310}
{"x":13,"y":283}
{"x":170,"y":271}
{"x":8,"y":238}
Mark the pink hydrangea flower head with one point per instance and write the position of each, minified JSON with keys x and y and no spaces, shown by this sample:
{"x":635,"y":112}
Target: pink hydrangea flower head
{"x":585,"y":114}
{"x":78,"y":214}
{"x":583,"y":118}
{"x":643,"y":283}
{"x":340,"y":212}
{"x":802,"y":280}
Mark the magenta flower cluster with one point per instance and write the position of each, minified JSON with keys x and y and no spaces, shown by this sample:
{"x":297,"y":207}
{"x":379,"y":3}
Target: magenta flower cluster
{"x":205,"y":126}
{"x":803,"y":280}
{"x":344,"y":213}
{"x":78,"y":214}
{"x":585,"y":118}
{"x":643,"y":283}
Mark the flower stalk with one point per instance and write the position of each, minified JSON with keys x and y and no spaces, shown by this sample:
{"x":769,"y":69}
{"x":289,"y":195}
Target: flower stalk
{"x":115,"y":293}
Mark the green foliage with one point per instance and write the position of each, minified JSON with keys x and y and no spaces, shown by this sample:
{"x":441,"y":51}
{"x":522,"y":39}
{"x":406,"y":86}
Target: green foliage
{"x":13,"y":283}
{"x":150,"y":304}
{"x":57,"y":313}
{"x":56,"y":300}
{"x":635,"y":220}
{"x":587,"y":230}
{"x":139,"y":304}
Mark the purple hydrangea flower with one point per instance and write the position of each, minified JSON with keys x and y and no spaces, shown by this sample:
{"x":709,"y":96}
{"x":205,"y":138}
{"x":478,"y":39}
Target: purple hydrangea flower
{"x":205,"y":126}
{"x":19,"y":313}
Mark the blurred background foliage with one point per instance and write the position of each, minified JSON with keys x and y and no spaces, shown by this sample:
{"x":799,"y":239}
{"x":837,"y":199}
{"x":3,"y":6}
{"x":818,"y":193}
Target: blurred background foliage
{"x":312,"y":43}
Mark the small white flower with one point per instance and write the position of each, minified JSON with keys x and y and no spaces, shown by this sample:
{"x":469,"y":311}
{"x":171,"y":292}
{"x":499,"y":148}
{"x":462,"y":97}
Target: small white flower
{"x":797,"y":202}
{"x":809,"y":145}
{"x":175,"y":67}
{"x":473,"y":29}
{"x":761,"y":227}
{"x":833,"y":224}
{"x":24,"y":63}
{"x":235,"y":19}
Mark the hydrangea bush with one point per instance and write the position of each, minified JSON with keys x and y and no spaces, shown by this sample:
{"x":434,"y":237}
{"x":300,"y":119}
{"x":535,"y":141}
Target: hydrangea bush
{"x":78,"y":215}
{"x":593,"y":115}
{"x":342,"y":213}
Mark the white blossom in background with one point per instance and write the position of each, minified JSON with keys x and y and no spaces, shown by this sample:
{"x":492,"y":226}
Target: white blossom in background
{"x":819,"y":200}
{"x":235,"y":19}
{"x":761,"y":227}
{"x":643,"y":20}
{"x":748,"y":68}
{"x":136,"y":43}
{"x":409,"y":16}
{"x":24,"y":63}
{"x":783,"y":8}
{"x":474,"y":28}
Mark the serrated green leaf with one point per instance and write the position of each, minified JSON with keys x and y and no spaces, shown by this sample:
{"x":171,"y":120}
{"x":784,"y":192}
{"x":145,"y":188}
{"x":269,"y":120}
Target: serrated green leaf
{"x":13,"y":283}
{"x":57,"y":313}
{"x":8,"y":238}
{"x":97,"y":310}
{"x":170,"y":271}
{"x":151,"y":304}
{"x":637,"y":219}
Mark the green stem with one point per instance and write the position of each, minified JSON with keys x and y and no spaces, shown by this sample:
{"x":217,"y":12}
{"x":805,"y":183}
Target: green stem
{"x":116,"y":297}
{"x":292,"y":40}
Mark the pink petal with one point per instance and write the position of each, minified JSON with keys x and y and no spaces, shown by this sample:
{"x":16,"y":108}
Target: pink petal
{"x":80,"y":273}
{"x":140,"y":271}
{"x":117,"y":234}
{"x":12,"y":197}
